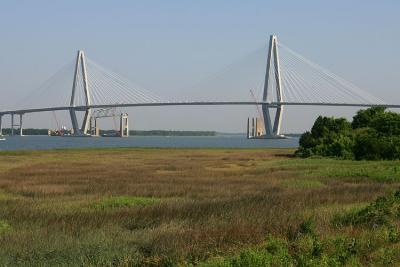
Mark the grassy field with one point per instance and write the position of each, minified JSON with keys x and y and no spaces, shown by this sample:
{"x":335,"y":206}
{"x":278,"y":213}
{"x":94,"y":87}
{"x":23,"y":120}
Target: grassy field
{"x":206,"y":207}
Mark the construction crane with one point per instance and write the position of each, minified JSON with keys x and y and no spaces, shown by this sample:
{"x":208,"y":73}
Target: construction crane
{"x":55,"y":118}
{"x":257,"y":107}
{"x":59,"y":131}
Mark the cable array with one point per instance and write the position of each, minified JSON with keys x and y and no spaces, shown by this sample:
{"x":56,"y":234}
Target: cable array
{"x":107,"y":88}
{"x":232,"y":81}
{"x":54,"y":92}
{"x":304,"y":81}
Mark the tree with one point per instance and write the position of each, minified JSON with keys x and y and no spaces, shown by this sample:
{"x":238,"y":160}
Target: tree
{"x":328,"y":137}
{"x":326,"y":125}
{"x":307,"y":140}
{"x":367,"y":145}
{"x":387,"y":123}
{"x":364,"y":118}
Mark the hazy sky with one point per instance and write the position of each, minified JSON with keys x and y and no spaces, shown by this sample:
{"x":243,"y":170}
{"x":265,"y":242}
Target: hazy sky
{"x":167,"y":46}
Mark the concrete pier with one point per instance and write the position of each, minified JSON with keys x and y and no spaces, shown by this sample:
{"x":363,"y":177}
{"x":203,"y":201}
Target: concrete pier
{"x":124,"y":125}
{"x":20,"y":124}
{"x":12,"y":124}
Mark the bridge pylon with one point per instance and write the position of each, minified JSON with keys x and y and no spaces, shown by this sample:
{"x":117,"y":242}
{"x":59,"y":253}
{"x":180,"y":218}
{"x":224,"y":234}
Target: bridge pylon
{"x":272,"y":131}
{"x":80,"y":69}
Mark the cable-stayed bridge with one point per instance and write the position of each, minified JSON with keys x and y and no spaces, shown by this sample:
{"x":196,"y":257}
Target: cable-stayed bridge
{"x":288,"y":79}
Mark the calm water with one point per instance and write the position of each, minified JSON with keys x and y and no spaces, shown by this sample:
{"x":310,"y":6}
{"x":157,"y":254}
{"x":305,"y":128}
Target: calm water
{"x":229,"y":141}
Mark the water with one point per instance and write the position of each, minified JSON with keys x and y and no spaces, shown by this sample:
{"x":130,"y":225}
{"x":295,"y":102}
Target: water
{"x":221,"y":141}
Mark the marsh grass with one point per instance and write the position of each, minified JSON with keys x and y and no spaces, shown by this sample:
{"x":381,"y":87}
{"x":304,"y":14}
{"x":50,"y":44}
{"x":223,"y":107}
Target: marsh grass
{"x":302,"y":183}
{"x":168,"y":207}
{"x":124,"y":202}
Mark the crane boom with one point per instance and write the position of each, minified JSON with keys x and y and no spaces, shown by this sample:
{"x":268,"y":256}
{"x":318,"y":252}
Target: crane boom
{"x":55,"y":118}
{"x":257,"y":107}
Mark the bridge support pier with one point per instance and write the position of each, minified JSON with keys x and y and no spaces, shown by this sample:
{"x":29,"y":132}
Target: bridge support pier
{"x":20,"y":124}
{"x":74,"y":122}
{"x":273,"y":131}
{"x":124,"y":125}
{"x":248,"y":128}
{"x":12,"y":124}
{"x":86,"y":122}
{"x":1,"y":125}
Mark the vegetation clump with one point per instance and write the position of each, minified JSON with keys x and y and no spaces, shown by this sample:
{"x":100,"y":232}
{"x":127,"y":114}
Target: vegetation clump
{"x":383,"y":211}
{"x":306,"y":249}
{"x":4,"y":227}
{"x":374,"y":134}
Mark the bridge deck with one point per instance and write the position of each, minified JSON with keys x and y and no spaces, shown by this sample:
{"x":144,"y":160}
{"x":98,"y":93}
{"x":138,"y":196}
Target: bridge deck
{"x":195,"y":103}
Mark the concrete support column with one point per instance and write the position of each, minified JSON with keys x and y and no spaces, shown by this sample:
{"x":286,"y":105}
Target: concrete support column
{"x":256,"y":128}
{"x":1,"y":125}
{"x":252,"y":127}
{"x":248,"y":128}
{"x":124,"y":125}
{"x":127,"y":126}
{"x":74,"y":122}
{"x":85,"y":124}
{"x":20,"y":124}
{"x":12,"y":124}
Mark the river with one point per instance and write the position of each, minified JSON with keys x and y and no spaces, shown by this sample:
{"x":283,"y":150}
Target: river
{"x":219,"y":141}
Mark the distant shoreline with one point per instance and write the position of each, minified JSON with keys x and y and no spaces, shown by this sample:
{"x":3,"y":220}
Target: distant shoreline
{"x":44,"y":132}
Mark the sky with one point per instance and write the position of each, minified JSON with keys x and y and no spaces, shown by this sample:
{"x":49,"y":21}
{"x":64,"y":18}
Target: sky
{"x":172,"y":47}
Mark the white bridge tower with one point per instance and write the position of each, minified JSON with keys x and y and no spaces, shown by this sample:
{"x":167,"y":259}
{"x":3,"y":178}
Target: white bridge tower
{"x":273,"y":131}
{"x":80,"y":69}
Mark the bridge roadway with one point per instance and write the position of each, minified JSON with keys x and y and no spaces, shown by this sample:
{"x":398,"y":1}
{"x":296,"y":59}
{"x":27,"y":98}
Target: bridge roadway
{"x":194,"y":103}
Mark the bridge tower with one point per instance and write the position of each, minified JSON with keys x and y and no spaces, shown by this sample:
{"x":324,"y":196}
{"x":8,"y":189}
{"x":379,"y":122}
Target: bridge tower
{"x":272,"y":131}
{"x":80,"y":69}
